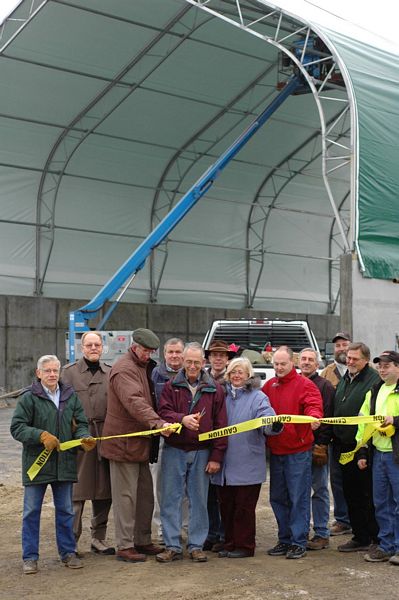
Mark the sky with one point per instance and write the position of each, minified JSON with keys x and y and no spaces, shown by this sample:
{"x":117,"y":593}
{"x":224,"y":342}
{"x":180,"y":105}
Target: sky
{"x":370,"y":18}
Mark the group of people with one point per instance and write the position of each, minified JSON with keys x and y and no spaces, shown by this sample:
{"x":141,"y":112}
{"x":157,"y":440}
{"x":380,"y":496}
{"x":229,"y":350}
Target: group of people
{"x":211,"y":488}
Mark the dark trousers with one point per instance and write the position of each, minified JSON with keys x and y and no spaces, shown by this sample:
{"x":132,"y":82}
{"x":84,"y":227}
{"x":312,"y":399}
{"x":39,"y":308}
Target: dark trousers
{"x":357,"y":487}
{"x":216,"y":532}
{"x":237,"y":507}
{"x":99,"y":518}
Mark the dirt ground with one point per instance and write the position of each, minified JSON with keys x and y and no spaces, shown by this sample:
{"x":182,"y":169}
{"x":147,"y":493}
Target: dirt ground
{"x":322,"y":575}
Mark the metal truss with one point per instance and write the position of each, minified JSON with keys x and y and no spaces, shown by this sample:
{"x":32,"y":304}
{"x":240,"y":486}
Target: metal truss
{"x":252,"y":17}
{"x":85,"y":124}
{"x":260,"y":213}
{"x":18,"y":20}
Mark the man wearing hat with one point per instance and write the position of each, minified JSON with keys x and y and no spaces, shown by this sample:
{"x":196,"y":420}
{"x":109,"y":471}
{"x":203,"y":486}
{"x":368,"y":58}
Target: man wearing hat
{"x":383,"y":454}
{"x":333,"y":373}
{"x":218,"y":355}
{"x":131,"y":408}
{"x":337,"y":369}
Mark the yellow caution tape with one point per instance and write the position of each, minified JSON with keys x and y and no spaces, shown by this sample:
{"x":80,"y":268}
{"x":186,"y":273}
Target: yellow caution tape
{"x":368,"y":433}
{"x":44,"y":456}
{"x":38,"y":464}
{"x":262,"y":421}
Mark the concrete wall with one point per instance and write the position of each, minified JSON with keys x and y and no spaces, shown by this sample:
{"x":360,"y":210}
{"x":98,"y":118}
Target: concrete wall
{"x":375,"y":311}
{"x":31,"y":327}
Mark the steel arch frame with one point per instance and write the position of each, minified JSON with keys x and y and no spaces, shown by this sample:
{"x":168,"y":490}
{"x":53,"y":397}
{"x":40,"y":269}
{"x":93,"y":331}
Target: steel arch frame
{"x":235,"y":14}
{"x":73,"y":136}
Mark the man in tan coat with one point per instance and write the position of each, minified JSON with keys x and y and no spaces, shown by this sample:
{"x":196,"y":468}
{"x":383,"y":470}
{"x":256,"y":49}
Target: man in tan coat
{"x":131,"y":408}
{"x":89,"y":378}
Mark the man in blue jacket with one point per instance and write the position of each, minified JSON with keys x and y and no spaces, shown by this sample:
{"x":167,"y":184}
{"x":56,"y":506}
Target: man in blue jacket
{"x":48,"y":413}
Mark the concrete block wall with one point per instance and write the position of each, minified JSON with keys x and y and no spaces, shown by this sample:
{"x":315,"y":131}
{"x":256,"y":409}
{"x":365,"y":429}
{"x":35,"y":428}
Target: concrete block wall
{"x":33,"y":326}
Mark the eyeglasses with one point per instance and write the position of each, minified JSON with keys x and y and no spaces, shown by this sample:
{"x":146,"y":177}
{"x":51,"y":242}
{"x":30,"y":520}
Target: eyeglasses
{"x":92,"y":345}
{"x":48,"y":371}
{"x":238,"y":372}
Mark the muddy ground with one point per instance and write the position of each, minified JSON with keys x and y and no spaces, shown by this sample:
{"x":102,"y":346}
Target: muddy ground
{"x":322,"y":575}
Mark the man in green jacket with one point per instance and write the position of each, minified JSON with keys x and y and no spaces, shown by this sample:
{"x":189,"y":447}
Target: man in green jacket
{"x":357,"y":483}
{"x":46,"y":414}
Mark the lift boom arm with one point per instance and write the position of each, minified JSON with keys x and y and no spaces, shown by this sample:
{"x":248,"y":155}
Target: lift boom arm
{"x":78,"y":319}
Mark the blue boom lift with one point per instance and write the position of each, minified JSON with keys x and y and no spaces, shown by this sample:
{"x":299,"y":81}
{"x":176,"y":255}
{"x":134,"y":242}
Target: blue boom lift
{"x":79,"y":319}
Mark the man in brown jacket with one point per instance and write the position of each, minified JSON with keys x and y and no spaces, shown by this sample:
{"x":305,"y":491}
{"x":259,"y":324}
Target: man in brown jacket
{"x":131,"y":408}
{"x":89,"y":378}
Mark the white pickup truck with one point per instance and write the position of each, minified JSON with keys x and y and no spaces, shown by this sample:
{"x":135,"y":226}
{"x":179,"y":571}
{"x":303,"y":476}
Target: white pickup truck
{"x":258,"y":335}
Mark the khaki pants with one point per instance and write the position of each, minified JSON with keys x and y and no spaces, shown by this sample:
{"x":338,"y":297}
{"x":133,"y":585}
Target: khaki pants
{"x":132,"y":503}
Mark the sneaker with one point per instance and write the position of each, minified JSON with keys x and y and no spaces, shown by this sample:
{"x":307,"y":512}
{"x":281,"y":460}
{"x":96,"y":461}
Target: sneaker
{"x":101,"y":547}
{"x":338,"y":528}
{"x":295,"y":551}
{"x":353,"y":546}
{"x":377,"y":555}
{"x":29,"y":567}
{"x":317,"y":543}
{"x":72,"y":561}
{"x":198,"y":556}
{"x":168,"y":556}
{"x":394,"y":560}
{"x":279,"y":549}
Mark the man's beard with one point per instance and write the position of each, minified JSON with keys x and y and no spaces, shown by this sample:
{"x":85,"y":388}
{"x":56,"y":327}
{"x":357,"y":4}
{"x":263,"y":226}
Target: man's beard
{"x":340,"y":357}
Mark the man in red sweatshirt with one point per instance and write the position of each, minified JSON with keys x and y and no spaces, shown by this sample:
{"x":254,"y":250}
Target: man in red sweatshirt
{"x":291,"y":454}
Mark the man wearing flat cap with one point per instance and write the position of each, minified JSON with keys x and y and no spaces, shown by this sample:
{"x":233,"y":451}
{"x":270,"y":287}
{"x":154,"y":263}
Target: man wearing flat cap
{"x":383,"y":399}
{"x":131,"y":408}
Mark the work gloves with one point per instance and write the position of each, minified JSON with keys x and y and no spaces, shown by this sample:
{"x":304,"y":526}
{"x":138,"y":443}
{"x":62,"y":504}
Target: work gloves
{"x":88,"y":443}
{"x":49,"y":441}
{"x":320,"y":455}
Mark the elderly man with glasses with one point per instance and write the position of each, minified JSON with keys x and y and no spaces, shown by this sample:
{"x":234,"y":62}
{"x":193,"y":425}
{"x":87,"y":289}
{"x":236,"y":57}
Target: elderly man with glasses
{"x":89,"y":377}
{"x":42,"y":419}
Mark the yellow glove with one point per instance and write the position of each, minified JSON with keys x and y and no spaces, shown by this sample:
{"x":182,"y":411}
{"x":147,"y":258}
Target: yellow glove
{"x":88,"y":443}
{"x":49,"y":441}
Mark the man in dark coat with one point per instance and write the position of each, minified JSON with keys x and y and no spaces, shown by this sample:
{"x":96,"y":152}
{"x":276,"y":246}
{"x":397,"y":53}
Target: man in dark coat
{"x":89,"y":378}
{"x":44,"y":417}
{"x":197,"y":402}
{"x":173,"y":361}
{"x":308,"y":365}
{"x":357,"y":484}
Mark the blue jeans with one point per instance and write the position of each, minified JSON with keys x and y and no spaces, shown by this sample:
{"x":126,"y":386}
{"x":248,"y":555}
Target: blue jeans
{"x":184,"y":472}
{"x":386,"y":500}
{"x":64,"y":516}
{"x":290,"y":489}
{"x":340,"y":507}
{"x":320,"y":501}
